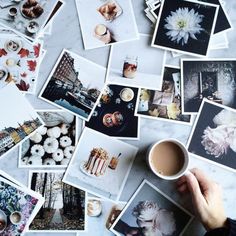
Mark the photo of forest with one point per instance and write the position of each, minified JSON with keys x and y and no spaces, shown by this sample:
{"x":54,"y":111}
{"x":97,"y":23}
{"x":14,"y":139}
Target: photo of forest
{"x":64,"y":207}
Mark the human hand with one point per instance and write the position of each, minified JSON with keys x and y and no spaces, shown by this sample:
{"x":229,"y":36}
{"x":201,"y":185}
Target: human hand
{"x":206,"y":197}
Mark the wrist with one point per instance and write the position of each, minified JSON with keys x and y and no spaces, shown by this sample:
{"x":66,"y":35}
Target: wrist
{"x":221,"y":222}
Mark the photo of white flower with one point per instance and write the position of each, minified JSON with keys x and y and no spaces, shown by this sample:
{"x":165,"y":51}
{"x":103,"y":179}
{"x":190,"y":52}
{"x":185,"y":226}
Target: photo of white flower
{"x":183,"y":24}
{"x":214,"y":135}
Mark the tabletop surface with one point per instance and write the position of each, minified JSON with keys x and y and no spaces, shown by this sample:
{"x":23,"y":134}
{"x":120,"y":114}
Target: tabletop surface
{"x":66,"y":34}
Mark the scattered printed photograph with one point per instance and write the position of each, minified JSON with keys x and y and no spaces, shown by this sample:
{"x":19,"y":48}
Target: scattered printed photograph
{"x":213,"y":79}
{"x":137,"y":64}
{"x":52,"y":145}
{"x":18,"y":122}
{"x":213,"y":136}
{"x":151,"y":212}
{"x":164,"y":104}
{"x":64,"y":206}
{"x":72,"y":85}
{"x":106,"y":22}
{"x":114,"y":115}
{"x":100,"y":165}
{"x":185,"y":26}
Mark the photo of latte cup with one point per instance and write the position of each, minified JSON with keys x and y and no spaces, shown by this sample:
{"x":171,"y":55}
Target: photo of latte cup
{"x":12,"y":11}
{"x":168,"y":159}
{"x":127,"y":94}
{"x":102,"y":33}
{"x":15,"y":217}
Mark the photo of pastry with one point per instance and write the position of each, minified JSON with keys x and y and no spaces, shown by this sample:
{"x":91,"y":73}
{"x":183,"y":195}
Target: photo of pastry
{"x":164,"y":104}
{"x":64,"y":207}
{"x":27,"y":17}
{"x":213,"y":79}
{"x":105,"y":22}
{"x":185,"y":26}
{"x":20,"y":62}
{"x":213,"y":135}
{"x":52,"y":145}
{"x":114,"y":115}
{"x":100,"y":165}
{"x":14,"y":129}
{"x":151,"y":213}
{"x":71,"y":84}
{"x":137,"y":64}
{"x":101,"y":214}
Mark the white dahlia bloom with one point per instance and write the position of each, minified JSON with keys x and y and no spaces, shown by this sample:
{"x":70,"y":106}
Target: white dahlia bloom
{"x":183,"y":24}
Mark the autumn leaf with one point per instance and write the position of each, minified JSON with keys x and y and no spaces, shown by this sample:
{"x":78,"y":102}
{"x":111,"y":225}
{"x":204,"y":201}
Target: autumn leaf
{"x":2,"y":52}
{"x":23,"y":86}
{"x":37,"y":50}
{"x":23,"y":75}
{"x":23,"y":53}
{"x":32,"y":65}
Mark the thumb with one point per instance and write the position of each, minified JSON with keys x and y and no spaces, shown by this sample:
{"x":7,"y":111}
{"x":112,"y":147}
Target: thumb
{"x":195,"y":190}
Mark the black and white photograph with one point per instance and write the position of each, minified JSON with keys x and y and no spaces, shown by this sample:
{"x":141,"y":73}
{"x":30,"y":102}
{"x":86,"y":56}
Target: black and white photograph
{"x":163,"y":104}
{"x":151,"y":212}
{"x":223,"y":23}
{"x":114,"y":115}
{"x":137,"y":64}
{"x":28,"y":17}
{"x":64,"y":206}
{"x":213,"y":137}
{"x":71,"y":84}
{"x":17,"y":123}
{"x":101,"y":214}
{"x":185,"y":26}
{"x":213,"y":79}
{"x":106,"y":22}
{"x":100,"y":165}
{"x":52,"y":145}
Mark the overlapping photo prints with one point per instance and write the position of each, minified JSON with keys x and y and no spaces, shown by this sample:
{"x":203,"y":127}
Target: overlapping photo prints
{"x":114,"y":115}
{"x":71,"y":84}
{"x":185,"y":26}
{"x":101,"y":214}
{"x":64,"y":207}
{"x":29,"y":17}
{"x":18,"y":122}
{"x":214,"y":134}
{"x":20,"y":61}
{"x":103,"y":23}
{"x":52,"y":145}
{"x":164,"y":104}
{"x":137,"y":64}
{"x":19,"y":206}
{"x":213,"y":79}
{"x":100,"y":165}
{"x":151,"y":212}
{"x":223,"y":23}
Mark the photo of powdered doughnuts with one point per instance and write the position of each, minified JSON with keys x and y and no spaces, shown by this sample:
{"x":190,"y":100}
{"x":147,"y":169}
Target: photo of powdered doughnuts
{"x":107,"y":120}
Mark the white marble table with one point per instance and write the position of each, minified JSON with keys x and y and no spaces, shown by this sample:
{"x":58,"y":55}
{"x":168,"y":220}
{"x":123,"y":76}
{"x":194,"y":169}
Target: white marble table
{"x":66,"y":34}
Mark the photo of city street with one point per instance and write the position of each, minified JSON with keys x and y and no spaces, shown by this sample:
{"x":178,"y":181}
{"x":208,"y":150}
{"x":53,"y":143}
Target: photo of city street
{"x":72,"y":86}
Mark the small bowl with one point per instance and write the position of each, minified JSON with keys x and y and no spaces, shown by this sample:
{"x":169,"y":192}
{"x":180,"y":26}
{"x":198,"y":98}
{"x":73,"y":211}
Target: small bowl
{"x":126,"y":94}
{"x":15,"y":217}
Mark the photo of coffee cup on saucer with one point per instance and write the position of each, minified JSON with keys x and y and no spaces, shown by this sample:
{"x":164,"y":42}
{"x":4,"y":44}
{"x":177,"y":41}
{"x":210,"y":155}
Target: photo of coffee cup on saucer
{"x":168,"y":159}
{"x":12,"y":12}
{"x":15,"y":217}
{"x":102,"y":33}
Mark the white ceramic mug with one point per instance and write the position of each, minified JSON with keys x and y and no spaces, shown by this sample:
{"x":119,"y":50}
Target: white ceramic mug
{"x":185,"y":165}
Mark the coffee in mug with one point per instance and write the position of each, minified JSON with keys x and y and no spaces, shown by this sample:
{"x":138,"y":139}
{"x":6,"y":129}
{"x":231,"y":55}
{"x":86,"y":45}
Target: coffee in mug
{"x":102,"y":33}
{"x":168,"y":159}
